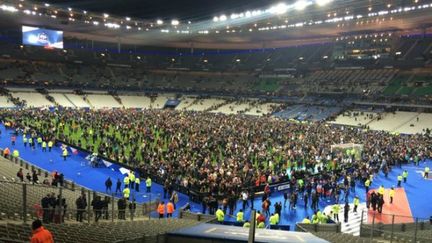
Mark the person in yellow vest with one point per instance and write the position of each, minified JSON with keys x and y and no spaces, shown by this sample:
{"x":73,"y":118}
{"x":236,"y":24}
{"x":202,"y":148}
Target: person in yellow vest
{"x":240,"y":216}
{"x":126,"y":181}
{"x":148,"y":184}
{"x":367,"y":184}
{"x":132,"y":180}
{"x":277,"y":218}
{"x":356,"y":202}
{"x":405,"y":176}
{"x":15,"y":154}
{"x":306,"y":220}
{"x":137,"y":184}
{"x":39,"y":140}
{"x":65,"y":153}
{"x":246,"y":224}
{"x":50,"y":145}
{"x":25,"y":140}
{"x":44,"y":145}
{"x":315,"y":219}
{"x":381,"y":190}
{"x":426,"y":172}
{"x":273,"y":220}
{"x":261,"y":225}
{"x":220,"y":215}
{"x":399,"y":179}
{"x":392,"y":194}
{"x":126,"y":193}
{"x":336,"y":209}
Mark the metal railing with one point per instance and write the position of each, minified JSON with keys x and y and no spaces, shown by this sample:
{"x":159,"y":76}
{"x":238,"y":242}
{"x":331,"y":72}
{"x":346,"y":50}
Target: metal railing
{"x":395,"y":228}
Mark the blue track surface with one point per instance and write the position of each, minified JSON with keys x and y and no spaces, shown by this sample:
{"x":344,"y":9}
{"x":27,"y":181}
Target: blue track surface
{"x":417,"y":188}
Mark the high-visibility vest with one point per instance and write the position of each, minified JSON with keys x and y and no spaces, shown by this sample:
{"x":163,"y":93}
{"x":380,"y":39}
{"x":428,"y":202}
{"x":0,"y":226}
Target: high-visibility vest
{"x":15,"y":153}
{"x":336,"y":208}
{"x":399,"y":178}
{"x":427,"y":169}
{"x":261,"y":225}
{"x":137,"y":181}
{"x":170,"y":207}
{"x":126,"y":180}
{"x":220,"y":215}
{"x":392,"y":193}
{"x":273,"y":220}
{"x":132,"y":177}
{"x":381,"y":190}
{"x":405,"y":174}
{"x":44,"y":144}
{"x":246,"y":225}
{"x":30,"y":140}
{"x":240,"y":217}
{"x":367,"y":182}
{"x":39,"y":140}
{"x":65,"y":152}
{"x":306,"y":221}
{"x":276,"y":215}
{"x":148,"y":182}
{"x":356,"y":201}
{"x":25,"y":139}
{"x":161,"y":209}
{"x":50,"y":144}
{"x":126,"y":192}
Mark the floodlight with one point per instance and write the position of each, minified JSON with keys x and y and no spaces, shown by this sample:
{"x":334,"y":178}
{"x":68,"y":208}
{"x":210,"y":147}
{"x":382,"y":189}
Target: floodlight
{"x":159,"y":22}
{"x":323,"y":2}
{"x":215,"y":19}
{"x":128,"y":18}
{"x":222,"y":17}
{"x":106,"y":15}
{"x":301,"y":4}
{"x":175,"y":22}
{"x":280,"y":8}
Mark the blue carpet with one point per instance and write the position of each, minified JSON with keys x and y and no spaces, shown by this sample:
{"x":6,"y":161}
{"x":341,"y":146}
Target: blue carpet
{"x":94,"y":179}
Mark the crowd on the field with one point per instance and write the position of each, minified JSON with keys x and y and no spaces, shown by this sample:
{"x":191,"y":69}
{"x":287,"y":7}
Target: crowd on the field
{"x":222,"y":156}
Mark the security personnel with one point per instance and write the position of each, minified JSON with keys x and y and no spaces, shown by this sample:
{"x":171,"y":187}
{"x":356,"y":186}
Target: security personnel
{"x":39,"y":140}
{"x":132,"y":179}
{"x":137,"y":184}
{"x":261,"y":225}
{"x":148,"y":184}
{"x":391,"y":194}
{"x":170,"y":209}
{"x":126,"y":181}
{"x":44,"y":145}
{"x":306,"y":220}
{"x":405,"y":175}
{"x":246,"y":224}
{"x":126,"y":193}
{"x":336,"y":209}
{"x":15,"y":154}
{"x":381,"y":190}
{"x":356,"y":203}
{"x":315,"y":219}
{"x":399,"y":180}
{"x":50,"y":145}
{"x":161,"y":209}
{"x":273,"y":220}
{"x":367,"y":184}
{"x":276,"y":215}
{"x":30,"y":141}
{"x":65,"y":153}
{"x":6,"y":152}
{"x":240,"y":216}
{"x":25,"y":140}
{"x":426,"y":172}
{"x":220,"y":215}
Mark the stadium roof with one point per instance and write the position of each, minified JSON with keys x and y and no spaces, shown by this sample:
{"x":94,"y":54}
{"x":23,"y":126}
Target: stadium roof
{"x":153,"y":9}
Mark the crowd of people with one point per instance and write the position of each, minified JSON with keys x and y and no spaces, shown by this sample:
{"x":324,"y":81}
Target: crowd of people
{"x":225,"y":157}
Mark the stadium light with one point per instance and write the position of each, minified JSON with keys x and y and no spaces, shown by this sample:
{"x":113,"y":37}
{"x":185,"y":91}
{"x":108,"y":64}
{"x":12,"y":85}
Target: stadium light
{"x":280,"y":8}
{"x":46,"y":4}
{"x":128,"y":18}
{"x":159,"y":22}
{"x":106,"y":15}
{"x":215,"y":19}
{"x":301,"y":4}
{"x":323,"y":2}
{"x":222,"y":17}
{"x":175,"y":22}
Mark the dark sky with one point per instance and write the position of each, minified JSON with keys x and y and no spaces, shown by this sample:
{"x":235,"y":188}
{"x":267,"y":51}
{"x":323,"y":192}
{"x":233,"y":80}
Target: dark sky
{"x":152,"y":9}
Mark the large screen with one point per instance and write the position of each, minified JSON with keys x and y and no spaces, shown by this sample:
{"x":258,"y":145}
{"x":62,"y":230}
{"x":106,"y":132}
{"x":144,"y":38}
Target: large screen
{"x":42,"y":37}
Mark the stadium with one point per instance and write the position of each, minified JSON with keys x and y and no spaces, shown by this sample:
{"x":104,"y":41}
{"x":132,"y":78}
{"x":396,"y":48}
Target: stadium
{"x":216,"y":121}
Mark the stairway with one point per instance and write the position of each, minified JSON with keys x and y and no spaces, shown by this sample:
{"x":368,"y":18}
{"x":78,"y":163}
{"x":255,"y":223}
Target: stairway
{"x":354,"y":219}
